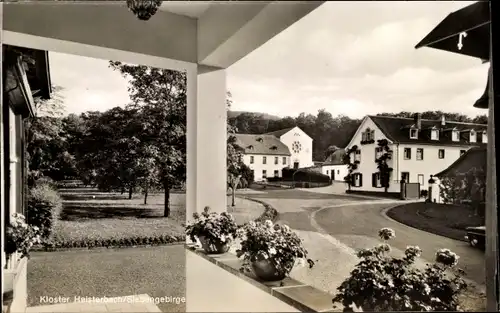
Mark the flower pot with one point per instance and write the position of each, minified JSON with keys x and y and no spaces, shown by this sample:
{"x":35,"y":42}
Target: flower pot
{"x":214,"y":247}
{"x":265,"y":270}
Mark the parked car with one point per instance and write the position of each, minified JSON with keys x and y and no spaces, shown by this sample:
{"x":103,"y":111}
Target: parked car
{"x":476,"y":236}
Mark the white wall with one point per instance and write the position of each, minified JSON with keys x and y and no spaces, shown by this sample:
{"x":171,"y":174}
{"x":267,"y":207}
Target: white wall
{"x":368,"y":166}
{"x":270,"y":167}
{"x":304,"y":157}
{"x":431,"y":163}
{"x":340,"y":171}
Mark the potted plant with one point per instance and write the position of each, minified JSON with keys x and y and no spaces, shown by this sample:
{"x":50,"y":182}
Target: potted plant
{"x":270,"y":250}
{"x":214,"y":231}
{"x":20,"y":237}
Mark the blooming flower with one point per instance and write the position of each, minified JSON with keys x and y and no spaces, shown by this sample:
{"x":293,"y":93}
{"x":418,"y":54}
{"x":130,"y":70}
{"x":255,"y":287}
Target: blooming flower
{"x":413,"y":251}
{"x":268,"y":224}
{"x":386,"y":233}
{"x":446,"y":257}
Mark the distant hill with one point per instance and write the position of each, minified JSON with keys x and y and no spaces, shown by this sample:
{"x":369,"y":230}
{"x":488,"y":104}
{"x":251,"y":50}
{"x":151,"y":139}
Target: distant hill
{"x":232,"y":114}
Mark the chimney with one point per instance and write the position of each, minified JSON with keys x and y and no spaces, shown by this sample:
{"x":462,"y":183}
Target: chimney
{"x":418,"y":120}
{"x":443,"y":120}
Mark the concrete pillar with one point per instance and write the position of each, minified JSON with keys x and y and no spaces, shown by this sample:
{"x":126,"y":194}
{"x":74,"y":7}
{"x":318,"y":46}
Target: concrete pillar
{"x":206,"y":182}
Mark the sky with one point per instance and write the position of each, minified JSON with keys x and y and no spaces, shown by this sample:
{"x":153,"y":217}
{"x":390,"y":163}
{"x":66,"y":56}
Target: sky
{"x":351,"y":58}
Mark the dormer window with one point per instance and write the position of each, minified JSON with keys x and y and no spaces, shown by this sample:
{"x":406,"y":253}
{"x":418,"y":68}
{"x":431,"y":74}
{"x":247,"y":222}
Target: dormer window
{"x":484,"y":137}
{"x":413,"y":133}
{"x":274,"y":148}
{"x":455,"y":135}
{"x":250,"y":147}
{"x":434,"y":134}
{"x":472,"y":136}
{"x":260,"y":139}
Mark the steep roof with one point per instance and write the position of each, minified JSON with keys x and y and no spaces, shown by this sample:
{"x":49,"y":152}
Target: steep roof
{"x":280,"y":132}
{"x":261,"y":144}
{"x":397,"y":130}
{"x":336,"y":158}
{"x":475,"y":157}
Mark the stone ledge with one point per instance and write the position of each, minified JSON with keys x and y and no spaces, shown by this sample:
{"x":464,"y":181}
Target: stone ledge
{"x":303,"y":297}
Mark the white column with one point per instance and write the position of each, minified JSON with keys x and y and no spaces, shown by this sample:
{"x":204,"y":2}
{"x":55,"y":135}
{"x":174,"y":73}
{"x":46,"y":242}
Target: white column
{"x":206,"y":182}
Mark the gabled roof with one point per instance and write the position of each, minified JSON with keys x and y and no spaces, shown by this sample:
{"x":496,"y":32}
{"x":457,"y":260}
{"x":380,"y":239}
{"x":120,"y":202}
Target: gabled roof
{"x":261,"y":144}
{"x":336,"y":158}
{"x":396,"y":129}
{"x":280,"y":132}
{"x":475,"y":157}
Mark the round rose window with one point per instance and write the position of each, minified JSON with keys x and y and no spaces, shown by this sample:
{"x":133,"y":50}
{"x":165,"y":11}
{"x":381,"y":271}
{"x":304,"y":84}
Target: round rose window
{"x":296,"y":147}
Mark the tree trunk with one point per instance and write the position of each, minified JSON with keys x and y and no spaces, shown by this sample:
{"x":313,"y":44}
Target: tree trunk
{"x":233,"y":192}
{"x":166,"y":209}
{"x":146,"y":196}
{"x":130,"y":193}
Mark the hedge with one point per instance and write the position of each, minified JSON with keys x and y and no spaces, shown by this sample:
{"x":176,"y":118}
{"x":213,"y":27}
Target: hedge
{"x":304,"y":175}
{"x":55,"y":244}
{"x":44,"y":207}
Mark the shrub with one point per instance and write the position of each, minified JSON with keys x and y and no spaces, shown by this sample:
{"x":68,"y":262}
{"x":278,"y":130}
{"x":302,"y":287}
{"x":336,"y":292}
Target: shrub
{"x":274,"y":179}
{"x":304,"y":175}
{"x":213,"y":226}
{"x":383,"y":283}
{"x":45,"y":180}
{"x":43,"y":208}
{"x":424,"y":193}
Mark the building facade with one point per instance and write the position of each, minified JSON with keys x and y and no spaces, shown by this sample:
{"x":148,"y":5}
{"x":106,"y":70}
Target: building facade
{"x":334,"y":166}
{"x":300,"y":145}
{"x":269,"y":153}
{"x":420,"y":148}
{"x":266,"y":155}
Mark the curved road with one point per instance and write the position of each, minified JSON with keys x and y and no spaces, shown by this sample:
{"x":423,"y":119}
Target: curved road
{"x":355,"y":222}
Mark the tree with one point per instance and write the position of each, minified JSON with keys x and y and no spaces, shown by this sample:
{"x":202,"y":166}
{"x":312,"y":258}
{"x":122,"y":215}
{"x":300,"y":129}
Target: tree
{"x":351,"y":165}
{"x":234,"y":158}
{"x":383,"y":163}
{"x":159,"y":96}
{"x":470,"y":186}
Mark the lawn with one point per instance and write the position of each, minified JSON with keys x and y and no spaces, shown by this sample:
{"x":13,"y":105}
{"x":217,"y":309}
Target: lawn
{"x":89,"y":215}
{"x":441,"y":219}
{"x":92,"y":215}
{"x":158,"y":271}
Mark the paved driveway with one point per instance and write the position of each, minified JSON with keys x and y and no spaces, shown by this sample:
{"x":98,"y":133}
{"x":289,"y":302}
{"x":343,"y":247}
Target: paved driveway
{"x":334,"y":226}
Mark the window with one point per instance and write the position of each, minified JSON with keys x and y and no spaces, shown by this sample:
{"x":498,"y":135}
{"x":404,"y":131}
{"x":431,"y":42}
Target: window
{"x":326,"y":172}
{"x":435,"y":134}
{"x":357,"y":180}
{"x":338,"y":171}
{"x":376,"y":180}
{"x":484,"y":137}
{"x":264,"y":174}
{"x":413,"y":133}
{"x":253,"y":173}
{"x":276,"y":173}
{"x":368,"y":135}
{"x":251,"y":159}
{"x":462,"y":152}
{"x":357,"y":156}
{"x":264,"y":160}
{"x":405,"y":176}
{"x":284,"y":160}
{"x":378,"y":152}
{"x":472,"y":136}
{"x":455,"y":135}
{"x":276,"y":160}
{"x":421,"y":180}
{"x":441,"y":153}
{"x":420,"y":154}
{"x":407,"y":153}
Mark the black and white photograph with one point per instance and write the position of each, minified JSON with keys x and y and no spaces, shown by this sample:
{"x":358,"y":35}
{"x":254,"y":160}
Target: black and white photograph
{"x":249,"y":156}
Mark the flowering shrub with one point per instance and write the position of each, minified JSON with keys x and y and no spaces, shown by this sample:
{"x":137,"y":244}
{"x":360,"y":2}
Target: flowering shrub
{"x":274,"y":242}
{"x":217,"y":228}
{"x":20,"y":237}
{"x":383,"y":283}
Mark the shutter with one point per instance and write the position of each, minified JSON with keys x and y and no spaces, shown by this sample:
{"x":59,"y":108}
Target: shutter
{"x":374,"y":180}
{"x":360,"y":180}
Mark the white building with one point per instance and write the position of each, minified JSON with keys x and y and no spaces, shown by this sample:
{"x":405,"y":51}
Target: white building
{"x":334,"y":166}
{"x":420,"y":148}
{"x":300,"y":145}
{"x":266,"y":155}
{"x":269,"y":153}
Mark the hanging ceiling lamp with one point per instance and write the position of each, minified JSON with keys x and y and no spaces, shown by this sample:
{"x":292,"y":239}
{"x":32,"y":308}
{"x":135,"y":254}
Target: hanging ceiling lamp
{"x":144,"y":9}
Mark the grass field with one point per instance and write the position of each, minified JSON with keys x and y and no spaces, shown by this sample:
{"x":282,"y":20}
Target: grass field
{"x":440,"y":219}
{"x":90,"y":214}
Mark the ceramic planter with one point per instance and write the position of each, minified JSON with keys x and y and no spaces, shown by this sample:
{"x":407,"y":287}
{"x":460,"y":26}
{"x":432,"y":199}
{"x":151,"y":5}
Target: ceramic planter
{"x":214,"y":247}
{"x":266,"y":271}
